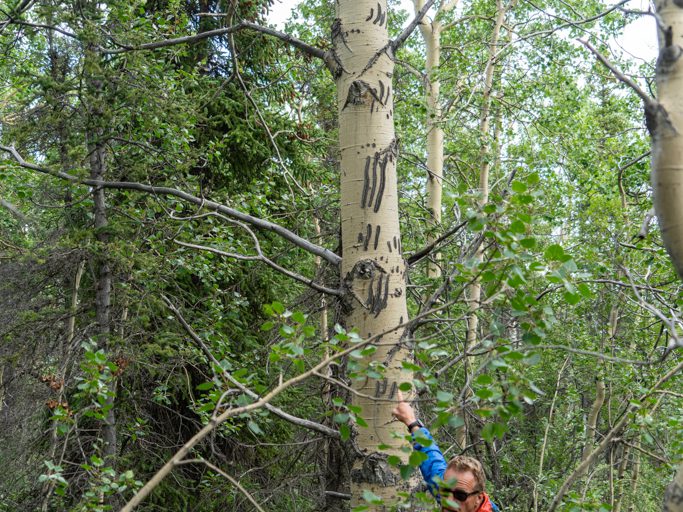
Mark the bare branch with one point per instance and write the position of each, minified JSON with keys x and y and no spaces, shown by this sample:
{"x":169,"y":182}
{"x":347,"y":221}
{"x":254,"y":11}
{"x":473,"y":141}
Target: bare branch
{"x":323,"y":429}
{"x":307,"y":281}
{"x":23,"y":219}
{"x":425,"y":251}
{"x":288,"y":235}
{"x":304,"y":47}
{"x":398,"y":42}
{"x":234,"y":482}
{"x":647,"y":99}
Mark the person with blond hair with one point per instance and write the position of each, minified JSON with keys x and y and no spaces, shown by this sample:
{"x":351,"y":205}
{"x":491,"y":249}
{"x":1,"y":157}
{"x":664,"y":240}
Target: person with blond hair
{"x":460,"y":484}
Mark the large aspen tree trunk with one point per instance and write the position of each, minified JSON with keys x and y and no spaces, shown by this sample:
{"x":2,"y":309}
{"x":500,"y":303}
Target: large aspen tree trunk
{"x":666,"y":127}
{"x":372,"y":267}
{"x":665,"y":123}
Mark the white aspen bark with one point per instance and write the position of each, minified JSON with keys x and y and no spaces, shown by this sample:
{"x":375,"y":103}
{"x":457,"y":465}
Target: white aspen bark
{"x":665,"y":126}
{"x":431,"y":34}
{"x":372,"y":265}
{"x":665,"y":122}
{"x":635,"y":475}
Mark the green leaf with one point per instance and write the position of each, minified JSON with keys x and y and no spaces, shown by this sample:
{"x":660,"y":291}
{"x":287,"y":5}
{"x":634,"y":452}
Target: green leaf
{"x":371,"y":497}
{"x":517,"y":227}
{"x":204,"y":386}
{"x":341,"y":417}
{"x":417,"y":458}
{"x":554,"y":253}
{"x":484,"y":393}
{"x":518,"y":187}
{"x":405,"y":386}
{"x":406,"y":470}
{"x":572,"y":298}
{"x":344,"y":431}
{"x":253,"y":426}
{"x":484,"y":380}
{"x":444,"y":396}
{"x":528,"y":243}
{"x":299,"y":317}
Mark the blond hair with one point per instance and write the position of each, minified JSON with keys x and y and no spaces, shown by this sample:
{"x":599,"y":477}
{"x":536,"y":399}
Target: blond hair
{"x":462,"y":463}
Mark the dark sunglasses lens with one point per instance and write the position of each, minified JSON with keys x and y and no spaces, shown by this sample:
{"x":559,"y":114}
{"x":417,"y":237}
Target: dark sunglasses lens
{"x":460,"y":495}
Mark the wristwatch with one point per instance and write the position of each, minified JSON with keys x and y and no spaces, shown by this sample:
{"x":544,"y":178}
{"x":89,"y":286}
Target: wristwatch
{"x":416,"y":423}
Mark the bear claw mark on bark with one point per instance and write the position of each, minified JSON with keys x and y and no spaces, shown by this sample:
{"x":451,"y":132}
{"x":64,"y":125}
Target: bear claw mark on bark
{"x":365,"y":238}
{"x":378,"y":294}
{"x":338,"y":33}
{"x":670,"y":54}
{"x":380,"y":160}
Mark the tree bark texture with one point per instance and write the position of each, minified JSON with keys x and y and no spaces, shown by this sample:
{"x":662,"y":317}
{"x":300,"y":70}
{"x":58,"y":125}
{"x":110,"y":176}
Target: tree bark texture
{"x":673,"y":499}
{"x":372,"y":266}
{"x":103,"y":276}
{"x":665,"y":121}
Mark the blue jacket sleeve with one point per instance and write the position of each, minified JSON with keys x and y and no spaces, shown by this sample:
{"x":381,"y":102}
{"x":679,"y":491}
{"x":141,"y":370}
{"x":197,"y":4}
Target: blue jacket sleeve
{"x":435,"y":465}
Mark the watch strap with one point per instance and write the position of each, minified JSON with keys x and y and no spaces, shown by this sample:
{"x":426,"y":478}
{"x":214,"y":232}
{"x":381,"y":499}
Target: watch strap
{"x":416,"y":423}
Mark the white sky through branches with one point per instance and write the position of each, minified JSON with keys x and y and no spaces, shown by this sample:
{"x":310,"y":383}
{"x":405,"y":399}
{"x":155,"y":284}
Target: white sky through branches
{"x":639,"y":39}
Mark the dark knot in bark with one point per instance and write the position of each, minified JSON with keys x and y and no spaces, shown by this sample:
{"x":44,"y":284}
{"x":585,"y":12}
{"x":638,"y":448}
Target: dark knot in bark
{"x":376,"y":470}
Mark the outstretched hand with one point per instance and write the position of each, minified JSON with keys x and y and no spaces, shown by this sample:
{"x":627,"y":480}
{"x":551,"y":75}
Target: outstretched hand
{"x":403,"y":412}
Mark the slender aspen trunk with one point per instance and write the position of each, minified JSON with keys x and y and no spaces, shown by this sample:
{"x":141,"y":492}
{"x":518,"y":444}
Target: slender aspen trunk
{"x":635,"y":475}
{"x":547,"y":430}
{"x":619,"y":500}
{"x":372,"y":266}
{"x":665,"y":122}
{"x":431,"y":34}
{"x":474,"y":291}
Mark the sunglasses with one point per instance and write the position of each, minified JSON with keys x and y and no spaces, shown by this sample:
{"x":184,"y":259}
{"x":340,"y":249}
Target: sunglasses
{"x":459,"y":494}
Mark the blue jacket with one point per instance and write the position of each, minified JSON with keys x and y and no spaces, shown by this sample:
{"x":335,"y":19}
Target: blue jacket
{"x":435,"y":466}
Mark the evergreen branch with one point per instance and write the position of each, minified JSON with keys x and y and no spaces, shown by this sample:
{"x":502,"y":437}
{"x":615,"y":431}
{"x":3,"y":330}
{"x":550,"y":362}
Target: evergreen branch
{"x":288,"y":235}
